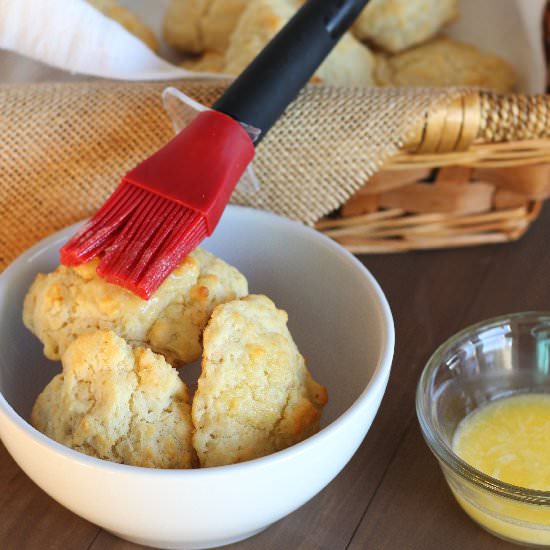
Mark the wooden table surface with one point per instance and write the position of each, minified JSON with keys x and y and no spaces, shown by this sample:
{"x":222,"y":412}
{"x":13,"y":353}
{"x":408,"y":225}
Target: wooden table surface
{"x":392,"y":494}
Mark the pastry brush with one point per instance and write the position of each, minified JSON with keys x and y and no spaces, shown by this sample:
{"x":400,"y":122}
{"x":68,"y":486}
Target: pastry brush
{"x":168,"y":204}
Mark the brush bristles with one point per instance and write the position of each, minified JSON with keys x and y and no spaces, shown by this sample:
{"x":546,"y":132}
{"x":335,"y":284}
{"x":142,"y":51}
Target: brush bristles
{"x":143,"y":237}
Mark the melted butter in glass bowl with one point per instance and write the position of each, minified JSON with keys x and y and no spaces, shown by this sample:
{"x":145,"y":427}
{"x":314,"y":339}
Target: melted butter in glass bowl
{"x":473,"y":372}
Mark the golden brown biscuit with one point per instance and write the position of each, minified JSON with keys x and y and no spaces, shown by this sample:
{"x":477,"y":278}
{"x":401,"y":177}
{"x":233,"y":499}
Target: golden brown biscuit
{"x":117,"y":403}
{"x":128,"y":20}
{"x":195,"y":26}
{"x":178,"y":331}
{"x":255,"y":395}
{"x":446,"y":62}
{"x":398,"y":24}
{"x":259,"y":23}
{"x":69,"y":302}
{"x":351,"y":63}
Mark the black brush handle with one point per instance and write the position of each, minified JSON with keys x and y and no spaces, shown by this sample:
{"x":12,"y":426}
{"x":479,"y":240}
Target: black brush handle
{"x":271,"y":82}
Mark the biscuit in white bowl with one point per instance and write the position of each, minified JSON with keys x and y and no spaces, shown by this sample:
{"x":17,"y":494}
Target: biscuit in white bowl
{"x":71,"y":301}
{"x":177,"y":333}
{"x":117,"y":403}
{"x":255,"y":395}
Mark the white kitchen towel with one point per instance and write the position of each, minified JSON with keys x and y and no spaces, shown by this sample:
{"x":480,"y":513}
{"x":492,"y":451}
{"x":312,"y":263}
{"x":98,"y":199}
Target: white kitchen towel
{"x":72,"y":35}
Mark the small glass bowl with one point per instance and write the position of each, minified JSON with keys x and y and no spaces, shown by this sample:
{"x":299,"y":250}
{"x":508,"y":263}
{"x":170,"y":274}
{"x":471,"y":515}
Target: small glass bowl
{"x":502,"y":356}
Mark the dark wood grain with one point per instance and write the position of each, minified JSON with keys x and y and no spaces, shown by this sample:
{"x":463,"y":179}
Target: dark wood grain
{"x":111,"y":542}
{"x":391,"y":494}
{"x":31,"y":520}
{"x":414,"y":509}
{"x":514,"y":280}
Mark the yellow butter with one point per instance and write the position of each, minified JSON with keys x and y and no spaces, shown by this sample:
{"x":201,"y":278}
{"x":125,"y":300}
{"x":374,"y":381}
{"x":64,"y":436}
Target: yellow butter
{"x":509,"y":439}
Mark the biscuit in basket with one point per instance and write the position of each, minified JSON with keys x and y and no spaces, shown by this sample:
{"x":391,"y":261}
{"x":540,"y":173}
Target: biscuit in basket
{"x":128,"y":20}
{"x":255,"y":395}
{"x":350,"y":64}
{"x":74,"y":300}
{"x":446,"y":62}
{"x":398,"y":24}
{"x":195,"y":26}
{"x":119,"y":404}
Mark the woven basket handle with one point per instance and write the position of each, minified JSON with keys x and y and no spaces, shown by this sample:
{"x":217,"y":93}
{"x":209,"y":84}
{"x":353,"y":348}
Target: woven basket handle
{"x":483,"y":117}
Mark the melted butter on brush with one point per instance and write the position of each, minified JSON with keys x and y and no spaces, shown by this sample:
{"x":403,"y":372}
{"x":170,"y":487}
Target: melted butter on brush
{"x":509,"y":439}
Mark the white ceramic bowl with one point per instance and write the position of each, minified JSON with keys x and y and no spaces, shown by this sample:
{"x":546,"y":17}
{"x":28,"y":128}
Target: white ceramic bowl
{"x":341,"y":322}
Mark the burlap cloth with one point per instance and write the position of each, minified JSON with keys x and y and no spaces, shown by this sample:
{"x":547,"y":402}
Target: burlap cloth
{"x":64,"y":147}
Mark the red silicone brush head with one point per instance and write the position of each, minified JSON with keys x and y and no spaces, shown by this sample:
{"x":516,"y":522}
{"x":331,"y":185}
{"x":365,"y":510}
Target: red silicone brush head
{"x":142,"y":237}
{"x":166,"y":206}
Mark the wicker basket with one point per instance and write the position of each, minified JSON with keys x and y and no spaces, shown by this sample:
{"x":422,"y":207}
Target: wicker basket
{"x":475,"y":172}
